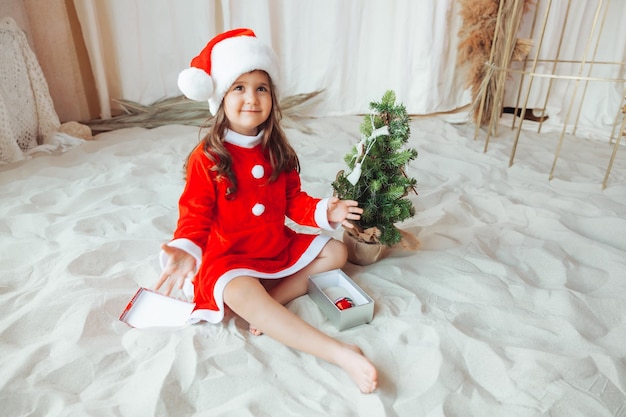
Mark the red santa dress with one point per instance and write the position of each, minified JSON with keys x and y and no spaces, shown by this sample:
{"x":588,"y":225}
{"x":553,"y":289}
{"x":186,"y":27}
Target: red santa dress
{"x":245,"y":235}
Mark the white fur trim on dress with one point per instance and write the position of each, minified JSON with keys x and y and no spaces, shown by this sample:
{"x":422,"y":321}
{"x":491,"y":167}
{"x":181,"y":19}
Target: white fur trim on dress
{"x":218,"y":291}
{"x":321,"y":216}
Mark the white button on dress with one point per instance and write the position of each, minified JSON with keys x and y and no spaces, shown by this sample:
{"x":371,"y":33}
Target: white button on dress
{"x":258,"y":171}
{"x":258,"y":209}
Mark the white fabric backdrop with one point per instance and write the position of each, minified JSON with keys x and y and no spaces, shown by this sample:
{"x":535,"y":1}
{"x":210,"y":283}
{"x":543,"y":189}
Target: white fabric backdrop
{"x":353,"y":49}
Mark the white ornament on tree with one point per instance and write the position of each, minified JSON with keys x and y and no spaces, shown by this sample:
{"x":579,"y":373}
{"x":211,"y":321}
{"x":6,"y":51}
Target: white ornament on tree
{"x":362,"y":152}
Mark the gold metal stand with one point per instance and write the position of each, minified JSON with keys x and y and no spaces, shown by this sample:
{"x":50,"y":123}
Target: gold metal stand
{"x":499,"y":68}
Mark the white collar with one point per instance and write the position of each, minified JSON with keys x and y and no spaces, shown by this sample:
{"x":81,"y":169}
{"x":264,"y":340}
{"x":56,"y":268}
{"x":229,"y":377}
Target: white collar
{"x":242,"y":140}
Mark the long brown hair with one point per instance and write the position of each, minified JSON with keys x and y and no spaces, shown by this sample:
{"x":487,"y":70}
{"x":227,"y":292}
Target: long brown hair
{"x":274,"y":143}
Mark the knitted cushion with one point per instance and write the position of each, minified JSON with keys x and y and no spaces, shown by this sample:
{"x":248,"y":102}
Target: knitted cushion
{"x":27,"y":115}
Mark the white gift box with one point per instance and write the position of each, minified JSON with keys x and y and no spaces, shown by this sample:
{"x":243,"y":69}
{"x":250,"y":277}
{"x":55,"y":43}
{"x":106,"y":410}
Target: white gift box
{"x":321,"y":288}
{"x":149,"y":308}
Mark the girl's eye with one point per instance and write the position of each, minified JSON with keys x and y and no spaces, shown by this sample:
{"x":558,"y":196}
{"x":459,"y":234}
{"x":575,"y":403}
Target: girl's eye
{"x":262,"y":89}
{"x":238,"y":87}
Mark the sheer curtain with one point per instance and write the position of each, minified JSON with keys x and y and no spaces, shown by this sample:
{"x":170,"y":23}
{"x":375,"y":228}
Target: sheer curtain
{"x":137,"y":47}
{"x":354,"y":50}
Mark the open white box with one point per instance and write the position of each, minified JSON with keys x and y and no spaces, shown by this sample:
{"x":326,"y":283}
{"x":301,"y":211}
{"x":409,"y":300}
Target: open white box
{"x":363,"y":310}
{"x":149,"y":308}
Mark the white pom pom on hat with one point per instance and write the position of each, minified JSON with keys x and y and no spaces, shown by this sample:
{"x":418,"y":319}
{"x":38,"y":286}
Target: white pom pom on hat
{"x":226,"y":57}
{"x":196,"y":84}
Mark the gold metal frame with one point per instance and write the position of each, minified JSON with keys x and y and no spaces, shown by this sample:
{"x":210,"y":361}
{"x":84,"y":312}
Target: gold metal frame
{"x":499,"y":69}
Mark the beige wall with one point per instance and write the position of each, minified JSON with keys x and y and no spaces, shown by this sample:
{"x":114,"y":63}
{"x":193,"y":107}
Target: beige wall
{"x":54,"y":34}
{"x":16,"y":10}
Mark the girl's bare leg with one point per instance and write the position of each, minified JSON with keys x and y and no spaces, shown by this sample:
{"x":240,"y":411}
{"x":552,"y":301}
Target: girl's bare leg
{"x":332,"y":256}
{"x":247,"y":297}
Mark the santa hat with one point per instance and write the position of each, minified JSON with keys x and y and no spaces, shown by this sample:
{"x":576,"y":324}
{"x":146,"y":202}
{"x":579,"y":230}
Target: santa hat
{"x":226,"y":57}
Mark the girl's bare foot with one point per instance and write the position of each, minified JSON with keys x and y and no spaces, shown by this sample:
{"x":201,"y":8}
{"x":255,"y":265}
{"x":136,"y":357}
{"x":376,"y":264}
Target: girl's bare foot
{"x":253,"y":330}
{"x":360,"y":369}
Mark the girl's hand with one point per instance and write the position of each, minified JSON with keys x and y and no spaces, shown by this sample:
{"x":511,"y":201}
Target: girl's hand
{"x":179,"y":266}
{"x":341,"y":211}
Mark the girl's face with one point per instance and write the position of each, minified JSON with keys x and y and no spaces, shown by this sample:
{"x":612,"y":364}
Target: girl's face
{"x":248,"y":102}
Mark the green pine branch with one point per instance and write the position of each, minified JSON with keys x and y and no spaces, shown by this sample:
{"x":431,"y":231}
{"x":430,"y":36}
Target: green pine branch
{"x":383,"y":186}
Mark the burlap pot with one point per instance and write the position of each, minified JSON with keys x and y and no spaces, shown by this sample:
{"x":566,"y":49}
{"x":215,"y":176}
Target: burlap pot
{"x":363,"y":253}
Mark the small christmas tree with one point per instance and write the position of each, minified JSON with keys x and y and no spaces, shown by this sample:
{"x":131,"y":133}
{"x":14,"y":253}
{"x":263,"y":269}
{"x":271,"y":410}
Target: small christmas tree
{"x":377,"y":179}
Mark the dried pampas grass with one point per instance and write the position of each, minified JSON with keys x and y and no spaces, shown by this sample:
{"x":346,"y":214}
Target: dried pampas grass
{"x":484,"y":21}
{"x":182,"y":111}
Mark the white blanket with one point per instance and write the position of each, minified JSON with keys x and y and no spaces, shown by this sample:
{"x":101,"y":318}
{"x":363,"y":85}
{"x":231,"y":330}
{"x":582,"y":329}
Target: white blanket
{"x":513,"y":306}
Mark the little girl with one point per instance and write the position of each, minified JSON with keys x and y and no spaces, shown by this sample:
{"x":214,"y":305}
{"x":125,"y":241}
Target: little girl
{"x":241,"y":182}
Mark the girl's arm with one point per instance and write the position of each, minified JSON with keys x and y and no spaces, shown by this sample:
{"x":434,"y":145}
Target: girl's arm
{"x":181,"y":257}
{"x":308,"y":211}
{"x":197,"y":201}
{"x":301,"y":207}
